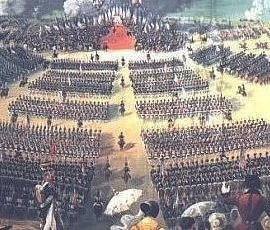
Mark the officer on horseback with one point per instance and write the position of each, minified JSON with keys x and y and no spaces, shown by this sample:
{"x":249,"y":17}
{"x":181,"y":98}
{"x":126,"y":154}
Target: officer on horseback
{"x":98,"y":205}
{"x":123,"y":62}
{"x":126,"y":176}
{"x":121,"y":141}
{"x":122,"y":82}
{"x":107,"y":169}
{"x":122,"y":108}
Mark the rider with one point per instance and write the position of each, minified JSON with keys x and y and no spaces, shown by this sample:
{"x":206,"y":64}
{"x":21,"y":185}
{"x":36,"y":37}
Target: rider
{"x":148,"y":56}
{"x":121,"y":141}
{"x":49,"y":121}
{"x":107,"y":165}
{"x":122,"y":108}
{"x":126,"y":170}
{"x":98,"y":204}
{"x":98,"y":198}
{"x":107,"y":169}
{"x":28,"y":119}
{"x":122,"y":82}
{"x":123,"y":61}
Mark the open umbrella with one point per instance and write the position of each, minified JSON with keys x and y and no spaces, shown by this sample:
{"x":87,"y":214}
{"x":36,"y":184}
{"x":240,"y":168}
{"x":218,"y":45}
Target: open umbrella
{"x":122,"y":201}
{"x":199,"y":209}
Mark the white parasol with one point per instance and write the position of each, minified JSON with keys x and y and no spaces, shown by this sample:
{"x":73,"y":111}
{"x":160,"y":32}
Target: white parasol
{"x":199,"y":209}
{"x":122,"y":201}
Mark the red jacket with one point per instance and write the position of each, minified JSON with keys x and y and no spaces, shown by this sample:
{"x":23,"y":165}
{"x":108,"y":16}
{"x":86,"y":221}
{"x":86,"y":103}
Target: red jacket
{"x":250,"y":205}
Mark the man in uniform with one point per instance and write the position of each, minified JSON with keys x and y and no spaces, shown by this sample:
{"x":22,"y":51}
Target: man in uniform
{"x":46,"y":195}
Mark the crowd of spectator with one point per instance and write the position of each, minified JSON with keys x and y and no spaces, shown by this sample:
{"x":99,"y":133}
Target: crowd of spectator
{"x":92,"y":83}
{"x":179,"y":108}
{"x":183,"y":184}
{"x":68,"y":109}
{"x":203,"y":140}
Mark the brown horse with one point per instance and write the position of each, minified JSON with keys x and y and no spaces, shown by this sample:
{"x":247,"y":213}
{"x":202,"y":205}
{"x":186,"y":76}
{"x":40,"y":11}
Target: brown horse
{"x":126,"y":177}
{"x":108,"y":173}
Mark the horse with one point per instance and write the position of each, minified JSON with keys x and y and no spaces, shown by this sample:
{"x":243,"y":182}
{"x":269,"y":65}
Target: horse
{"x":122,"y":110}
{"x":98,"y":207}
{"x":23,"y":82}
{"x":121,"y":143}
{"x":122,"y":83}
{"x":126,"y":177}
{"x":4,"y":92}
{"x":107,"y":173}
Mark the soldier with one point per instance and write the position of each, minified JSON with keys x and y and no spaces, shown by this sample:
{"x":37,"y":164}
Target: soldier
{"x":46,"y":196}
{"x":122,"y":82}
{"x":121,"y":141}
{"x":126,"y":176}
{"x":122,"y":108}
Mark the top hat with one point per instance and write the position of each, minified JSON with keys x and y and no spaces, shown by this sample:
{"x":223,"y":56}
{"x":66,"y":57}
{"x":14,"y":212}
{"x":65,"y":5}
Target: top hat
{"x":150,"y":208}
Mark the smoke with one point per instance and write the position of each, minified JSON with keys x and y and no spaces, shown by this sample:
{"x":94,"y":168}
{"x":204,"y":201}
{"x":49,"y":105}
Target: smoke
{"x":257,"y":10}
{"x":11,"y":7}
{"x":73,"y":8}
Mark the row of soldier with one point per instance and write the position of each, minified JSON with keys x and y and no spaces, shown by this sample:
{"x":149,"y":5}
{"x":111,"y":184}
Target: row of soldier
{"x":15,"y":61}
{"x":73,"y":64}
{"x":75,"y":82}
{"x":217,"y":139}
{"x":189,"y":107}
{"x":44,"y":140}
{"x":255,"y":68}
{"x":68,"y":109}
{"x":172,"y":81}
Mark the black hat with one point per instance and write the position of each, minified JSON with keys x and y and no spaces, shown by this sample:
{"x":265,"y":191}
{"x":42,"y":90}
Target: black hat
{"x":150,"y":208}
{"x":187,"y":222}
{"x":252,"y":182}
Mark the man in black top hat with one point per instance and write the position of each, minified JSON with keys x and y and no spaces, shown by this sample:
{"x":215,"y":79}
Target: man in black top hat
{"x":251,"y":204}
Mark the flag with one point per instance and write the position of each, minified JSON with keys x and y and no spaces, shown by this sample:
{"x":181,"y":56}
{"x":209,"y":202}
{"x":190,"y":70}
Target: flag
{"x":40,"y":32}
{"x":60,"y":96}
{"x":242,"y":160}
{"x":56,"y":27}
{"x":177,"y":201}
{"x":47,"y":28}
